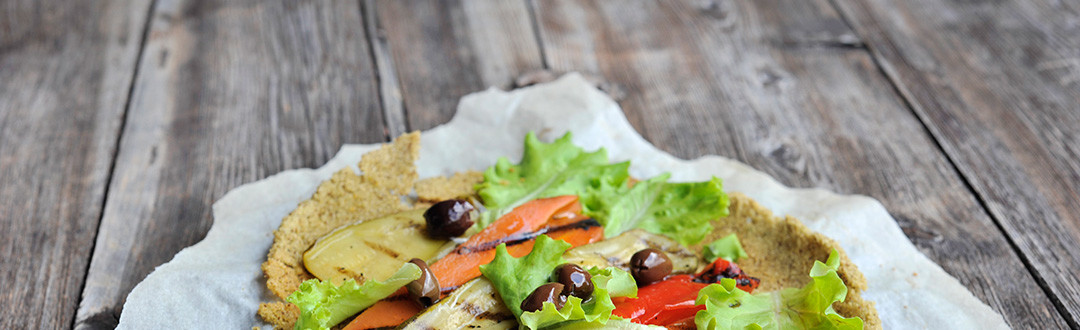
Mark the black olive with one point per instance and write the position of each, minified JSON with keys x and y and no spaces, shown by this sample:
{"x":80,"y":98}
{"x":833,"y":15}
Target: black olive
{"x":449,"y":218}
{"x":649,"y":266}
{"x":551,"y":292}
{"x":577,"y":281}
{"x":425,"y":290}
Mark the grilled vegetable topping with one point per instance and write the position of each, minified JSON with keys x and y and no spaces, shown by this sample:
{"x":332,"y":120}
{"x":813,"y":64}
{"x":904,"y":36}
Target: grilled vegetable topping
{"x":616,"y":252}
{"x":474,"y":305}
{"x":721,"y":269}
{"x":372,"y":249}
{"x":518,"y":230}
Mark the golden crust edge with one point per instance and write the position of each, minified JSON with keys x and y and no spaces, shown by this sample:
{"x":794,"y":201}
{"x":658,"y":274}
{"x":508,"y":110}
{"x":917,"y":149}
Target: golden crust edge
{"x":774,"y":243}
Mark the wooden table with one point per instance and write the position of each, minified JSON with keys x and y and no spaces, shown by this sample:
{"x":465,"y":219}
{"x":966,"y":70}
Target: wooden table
{"x":122,"y":121}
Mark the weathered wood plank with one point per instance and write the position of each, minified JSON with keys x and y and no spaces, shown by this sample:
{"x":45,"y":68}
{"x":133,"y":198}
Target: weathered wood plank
{"x":228,"y":92}
{"x":65,"y":73}
{"x":389,"y":87}
{"x":998,"y":84}
{"x":442,"y":50}
{"x":786,"y":87}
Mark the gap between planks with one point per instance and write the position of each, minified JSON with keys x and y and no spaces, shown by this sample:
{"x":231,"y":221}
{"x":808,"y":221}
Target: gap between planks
{"x":394,"y":112}
{"x":534,"y":21}
{"x":110,"y":318}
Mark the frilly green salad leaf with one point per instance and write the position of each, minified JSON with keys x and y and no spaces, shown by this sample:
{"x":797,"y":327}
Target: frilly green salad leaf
{"x":809,"y":307}
{"x":547,"y":170}
{"x":681,"y":211}
{"x":607,"y":283}
{"x":516,"y":278}
{"x":323,"y":305}
{"x":728,"y":248}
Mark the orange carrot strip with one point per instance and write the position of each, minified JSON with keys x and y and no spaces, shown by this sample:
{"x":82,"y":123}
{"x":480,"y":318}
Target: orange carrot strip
{"x":463,"y":264}
{"x":579,"y":236}
{"x":385,"y":313}
{"x":522,"y":219}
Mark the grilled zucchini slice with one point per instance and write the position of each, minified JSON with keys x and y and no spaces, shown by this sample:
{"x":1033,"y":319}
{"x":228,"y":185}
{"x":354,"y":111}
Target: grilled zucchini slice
{"x":373,"y":249}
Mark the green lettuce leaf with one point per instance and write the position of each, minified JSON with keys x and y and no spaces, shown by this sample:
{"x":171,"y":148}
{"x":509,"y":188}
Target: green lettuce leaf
{"x":547,"y":170}
{"x":728,"y":248}
{"x":607,"y":283}
{"x":809,"y":307}
{"x":681,"y":211}
{"x":516,"y":278}
{"x":323,"y":305}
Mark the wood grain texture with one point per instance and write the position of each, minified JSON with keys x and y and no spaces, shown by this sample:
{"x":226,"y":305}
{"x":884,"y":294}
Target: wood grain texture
{"x":227,"y":92}
{"x":389,"y":88}
{"x":786,"y":87}
{"x":442,"y":50}
{"x":65,"y":73}
{"x":998,"y":84}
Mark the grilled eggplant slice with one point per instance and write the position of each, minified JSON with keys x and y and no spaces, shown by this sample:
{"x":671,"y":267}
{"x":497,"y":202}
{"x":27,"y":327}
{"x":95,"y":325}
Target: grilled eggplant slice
{"x":373,"y":249}
{"x":474,"y":305}
{"x":616,"y":252}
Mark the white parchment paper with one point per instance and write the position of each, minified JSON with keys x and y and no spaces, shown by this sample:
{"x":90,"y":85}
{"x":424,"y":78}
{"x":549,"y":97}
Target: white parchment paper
{"x":217,"y":283}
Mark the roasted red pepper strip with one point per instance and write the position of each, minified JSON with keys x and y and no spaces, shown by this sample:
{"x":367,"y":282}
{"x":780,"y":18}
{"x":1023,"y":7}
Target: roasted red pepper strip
{"x":662,"y":302}
{"x":721,"y":269}
{"x":671,"y":301}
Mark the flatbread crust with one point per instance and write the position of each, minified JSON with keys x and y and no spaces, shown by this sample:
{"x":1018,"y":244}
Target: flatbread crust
{"x":459,"y":186}
{"x":782,"y":251}
{"x":774,"y":244}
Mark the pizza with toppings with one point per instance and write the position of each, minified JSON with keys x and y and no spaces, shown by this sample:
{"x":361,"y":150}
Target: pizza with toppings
{"x":561,"y":239}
